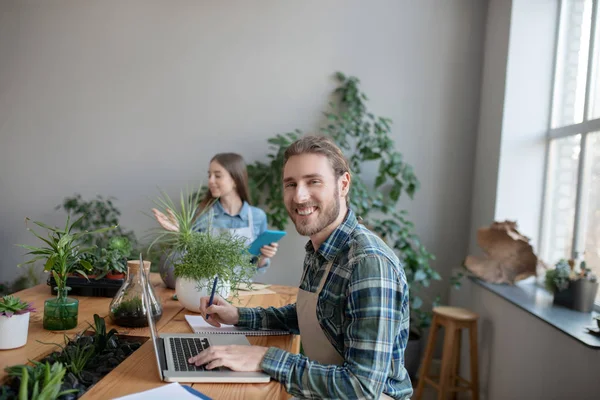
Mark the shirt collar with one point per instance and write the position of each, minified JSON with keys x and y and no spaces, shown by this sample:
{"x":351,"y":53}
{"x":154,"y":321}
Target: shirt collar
{"x":243,"y":214}
{"x":338,"y":238}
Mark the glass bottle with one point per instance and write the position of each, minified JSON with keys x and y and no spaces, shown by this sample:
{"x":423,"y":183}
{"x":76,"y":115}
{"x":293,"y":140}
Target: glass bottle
{"x":61,"y":313}
{"x":127,"y":307}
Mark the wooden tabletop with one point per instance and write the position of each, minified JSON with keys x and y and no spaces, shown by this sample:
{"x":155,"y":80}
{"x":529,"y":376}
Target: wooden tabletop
{"x":139,"y":371}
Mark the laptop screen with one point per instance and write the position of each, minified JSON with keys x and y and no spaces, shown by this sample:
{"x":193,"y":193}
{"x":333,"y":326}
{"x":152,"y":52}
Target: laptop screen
{"x":151,"y":325}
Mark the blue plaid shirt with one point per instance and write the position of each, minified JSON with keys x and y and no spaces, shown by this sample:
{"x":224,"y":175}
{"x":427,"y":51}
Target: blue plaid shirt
{"x":362,"y":309}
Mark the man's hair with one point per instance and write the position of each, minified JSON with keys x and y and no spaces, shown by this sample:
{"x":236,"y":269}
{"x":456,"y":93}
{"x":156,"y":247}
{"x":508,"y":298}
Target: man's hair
{"x":323,"y":145}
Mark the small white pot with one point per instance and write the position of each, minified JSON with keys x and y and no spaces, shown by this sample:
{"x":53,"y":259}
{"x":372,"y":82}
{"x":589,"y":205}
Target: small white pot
{"x":189,"y":295}
{"x":13,"y":331}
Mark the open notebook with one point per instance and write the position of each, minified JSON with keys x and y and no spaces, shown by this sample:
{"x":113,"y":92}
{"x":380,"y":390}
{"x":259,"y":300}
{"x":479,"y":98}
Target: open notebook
{"x":199,"y":325}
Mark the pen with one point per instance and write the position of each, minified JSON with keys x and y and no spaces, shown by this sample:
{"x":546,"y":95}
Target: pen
{"x":212,"y":294}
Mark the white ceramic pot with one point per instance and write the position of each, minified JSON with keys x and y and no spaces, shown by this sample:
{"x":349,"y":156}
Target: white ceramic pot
{"x":13,"y":331}
{"x":189,"y":295}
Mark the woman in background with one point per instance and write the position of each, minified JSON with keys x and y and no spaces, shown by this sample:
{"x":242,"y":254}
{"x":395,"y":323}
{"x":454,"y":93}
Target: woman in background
{"x":229,"y":209}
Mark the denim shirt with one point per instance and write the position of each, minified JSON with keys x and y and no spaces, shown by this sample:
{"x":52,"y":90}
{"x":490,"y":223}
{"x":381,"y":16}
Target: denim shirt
{"x":221,"y":219}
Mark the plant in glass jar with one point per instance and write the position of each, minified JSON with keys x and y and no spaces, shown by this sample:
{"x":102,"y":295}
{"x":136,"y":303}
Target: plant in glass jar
{"x":63,"y":254}
{"x":127,"y":308}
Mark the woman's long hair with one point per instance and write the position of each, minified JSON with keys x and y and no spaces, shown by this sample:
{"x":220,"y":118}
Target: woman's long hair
{"x":235,"y":165}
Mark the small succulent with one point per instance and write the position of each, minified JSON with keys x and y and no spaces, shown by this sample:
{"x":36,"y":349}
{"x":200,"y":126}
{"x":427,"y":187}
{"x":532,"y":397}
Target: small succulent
{"x":559,"y":278}
{"x":121,"y":244}
{"x":10,"y":305}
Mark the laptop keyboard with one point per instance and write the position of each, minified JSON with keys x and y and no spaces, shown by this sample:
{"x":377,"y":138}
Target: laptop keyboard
{"x":184,"y":348}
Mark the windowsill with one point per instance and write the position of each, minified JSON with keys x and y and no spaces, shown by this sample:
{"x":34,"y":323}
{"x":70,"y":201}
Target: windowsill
{"x":536,"y":300}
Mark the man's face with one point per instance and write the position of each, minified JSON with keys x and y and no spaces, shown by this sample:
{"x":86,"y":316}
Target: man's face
{"x":311,"y":193}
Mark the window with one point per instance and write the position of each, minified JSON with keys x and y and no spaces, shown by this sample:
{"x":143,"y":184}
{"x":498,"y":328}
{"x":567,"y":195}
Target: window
{"x":571,"y":220}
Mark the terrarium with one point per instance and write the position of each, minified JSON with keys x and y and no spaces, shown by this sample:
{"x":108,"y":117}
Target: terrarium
{"x":127,"y":308}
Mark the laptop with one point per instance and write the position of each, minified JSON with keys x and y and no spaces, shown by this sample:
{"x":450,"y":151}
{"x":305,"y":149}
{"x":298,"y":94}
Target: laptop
{"x":173,"y":350}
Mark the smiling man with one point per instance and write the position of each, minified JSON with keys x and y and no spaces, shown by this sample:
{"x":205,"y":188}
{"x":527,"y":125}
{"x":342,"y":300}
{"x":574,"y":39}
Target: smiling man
{"x":352,"y":308}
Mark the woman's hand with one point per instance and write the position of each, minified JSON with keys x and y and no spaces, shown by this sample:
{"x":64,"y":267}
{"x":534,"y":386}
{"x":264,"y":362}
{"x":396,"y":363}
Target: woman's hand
{"x":221,"y":312}
{"x":169,"y":223}
{"x":266,"y":252}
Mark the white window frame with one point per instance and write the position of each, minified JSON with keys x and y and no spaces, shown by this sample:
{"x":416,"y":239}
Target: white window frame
{"x":584,"y":128}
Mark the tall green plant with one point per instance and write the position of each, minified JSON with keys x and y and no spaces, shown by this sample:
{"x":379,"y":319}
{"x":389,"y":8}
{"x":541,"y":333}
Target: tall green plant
{"x":40,"y":381}
{"x":365,"y":139}
{"x":265,"y":179}
{"x":62,"y":250}
{"x":181,"y":219}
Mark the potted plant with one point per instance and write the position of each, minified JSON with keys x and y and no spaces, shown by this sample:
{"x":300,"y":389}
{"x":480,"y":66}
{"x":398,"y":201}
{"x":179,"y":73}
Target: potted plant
{"x":573,"y":288}
{"x":14,"y":322}
{"x":207,"y":256}
{"x":172,"y":243}
{"x":62,"y":252}
{"x":113,"y":259}
{"x":127,"y":307}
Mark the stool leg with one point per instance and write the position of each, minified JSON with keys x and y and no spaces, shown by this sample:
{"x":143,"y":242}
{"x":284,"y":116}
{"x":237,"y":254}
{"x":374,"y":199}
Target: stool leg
{"x":426,"y":363}
{"x":474,"y":361}
{"x":449,"y":334}
{"x":455,"y":364}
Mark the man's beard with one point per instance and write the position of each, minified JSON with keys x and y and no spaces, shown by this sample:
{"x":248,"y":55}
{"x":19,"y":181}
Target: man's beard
{"x":327,"y":217}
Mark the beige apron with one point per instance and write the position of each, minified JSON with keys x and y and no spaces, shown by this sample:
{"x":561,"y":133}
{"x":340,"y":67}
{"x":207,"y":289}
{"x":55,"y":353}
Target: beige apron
{"x":315,"y":344}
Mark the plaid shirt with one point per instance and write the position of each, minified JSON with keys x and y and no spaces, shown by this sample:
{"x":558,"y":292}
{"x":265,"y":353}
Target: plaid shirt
{"x":363,"y":310}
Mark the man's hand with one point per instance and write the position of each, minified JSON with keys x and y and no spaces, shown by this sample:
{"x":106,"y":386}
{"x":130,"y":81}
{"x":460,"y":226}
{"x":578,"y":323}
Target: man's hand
{"x":221,"y":312}
{"x":234,"y":357}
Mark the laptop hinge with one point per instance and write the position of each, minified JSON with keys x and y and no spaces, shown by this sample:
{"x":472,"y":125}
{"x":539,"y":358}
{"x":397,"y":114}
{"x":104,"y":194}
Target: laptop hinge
{"x":162,"y":356}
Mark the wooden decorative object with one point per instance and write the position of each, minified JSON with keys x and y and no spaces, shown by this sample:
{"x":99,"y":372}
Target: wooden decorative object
{"x":509,"y":256}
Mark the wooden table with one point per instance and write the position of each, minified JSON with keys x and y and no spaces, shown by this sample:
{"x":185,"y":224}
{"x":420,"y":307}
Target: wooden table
{"x":139,"y":371}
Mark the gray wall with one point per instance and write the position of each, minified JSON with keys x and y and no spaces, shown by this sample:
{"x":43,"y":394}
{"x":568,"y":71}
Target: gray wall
{"x":115,"y":98}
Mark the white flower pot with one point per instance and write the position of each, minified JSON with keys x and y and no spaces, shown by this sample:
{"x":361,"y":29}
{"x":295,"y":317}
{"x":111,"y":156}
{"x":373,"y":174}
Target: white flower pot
{"x":13,"y":331}
{"x":189,"y":295}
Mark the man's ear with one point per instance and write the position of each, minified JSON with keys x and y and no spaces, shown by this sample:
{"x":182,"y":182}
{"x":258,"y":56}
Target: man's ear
{"x":344,"y":184}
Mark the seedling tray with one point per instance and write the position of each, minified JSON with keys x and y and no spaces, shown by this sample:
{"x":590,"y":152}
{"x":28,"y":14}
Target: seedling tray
{"x":93,"y":288}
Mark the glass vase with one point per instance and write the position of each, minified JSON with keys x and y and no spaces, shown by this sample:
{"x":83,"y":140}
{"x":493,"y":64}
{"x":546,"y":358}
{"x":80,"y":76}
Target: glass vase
{"x":61,"y":312}
{"x":127,"y":307}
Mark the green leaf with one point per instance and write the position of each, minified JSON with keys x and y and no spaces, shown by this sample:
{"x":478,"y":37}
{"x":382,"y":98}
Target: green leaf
{"x":420,"y":275}
{"x":23,"y":388}
{"x":395,"y":192}
{"x":417,"y":303}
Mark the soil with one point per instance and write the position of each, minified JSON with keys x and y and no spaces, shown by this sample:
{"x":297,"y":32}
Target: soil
{"x":116,"y":351}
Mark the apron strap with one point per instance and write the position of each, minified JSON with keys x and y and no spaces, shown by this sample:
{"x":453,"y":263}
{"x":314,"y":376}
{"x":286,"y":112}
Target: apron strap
{"x":250,"y":222}
{"x":210,"y":218}
{"x":323,"y":278}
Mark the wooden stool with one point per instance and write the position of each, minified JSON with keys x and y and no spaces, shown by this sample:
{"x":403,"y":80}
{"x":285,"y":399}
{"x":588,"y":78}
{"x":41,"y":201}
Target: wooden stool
{"x":453,"y":319}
